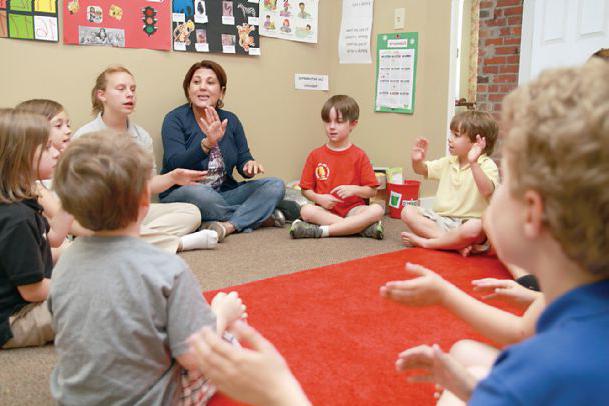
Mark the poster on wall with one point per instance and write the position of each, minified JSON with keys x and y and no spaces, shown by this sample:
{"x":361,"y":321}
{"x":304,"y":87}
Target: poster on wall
{"x":117,"y":23}
{"x":221,"y":26}
{"x":396,"y":68}
{"x":294,"y":20}
{"x":29,"y":19}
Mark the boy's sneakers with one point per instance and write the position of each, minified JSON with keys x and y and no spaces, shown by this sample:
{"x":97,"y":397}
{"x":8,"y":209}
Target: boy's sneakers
{"x":374,"y":230}
{"x":302,"y":229}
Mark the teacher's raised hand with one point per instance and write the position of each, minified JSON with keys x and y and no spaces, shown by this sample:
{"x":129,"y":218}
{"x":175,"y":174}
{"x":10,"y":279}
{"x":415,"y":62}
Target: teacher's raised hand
{"x":212,"y":126}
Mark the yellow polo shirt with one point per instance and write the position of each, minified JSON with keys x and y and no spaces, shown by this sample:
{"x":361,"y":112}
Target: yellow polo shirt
{"x":458,"y":195}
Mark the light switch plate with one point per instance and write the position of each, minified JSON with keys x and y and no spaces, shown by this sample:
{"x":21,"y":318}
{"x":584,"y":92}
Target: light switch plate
{"x":399,"y":15}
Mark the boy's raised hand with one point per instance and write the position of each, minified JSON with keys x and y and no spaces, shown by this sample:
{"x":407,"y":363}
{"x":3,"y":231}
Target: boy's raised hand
{"x":505,"y":289}
{"x":327,"y":201}
{"x":257,"y":375}
{"x":419,"y":149}
{"x":477,"y":149}
{"x":425,"y":289}
{"x":438,"y":367}
{"x":212,"y":126}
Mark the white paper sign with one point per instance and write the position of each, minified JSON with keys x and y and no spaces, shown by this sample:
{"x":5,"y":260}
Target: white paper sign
{"x":202,"y":47}
{"x":254,"y":51}
{"x":178,"y":17}
{"x":355,"y":31}
{"x":228,"y":20}
{"x":395,"y":78}
{"x":179,"y":46}
{"x":201,"y":19}
{"x":304,"y":81}
{"x":228,"y":49}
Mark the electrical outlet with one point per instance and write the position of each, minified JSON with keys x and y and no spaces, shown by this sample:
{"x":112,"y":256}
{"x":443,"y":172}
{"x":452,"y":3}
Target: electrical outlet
{"x":399,"y":15}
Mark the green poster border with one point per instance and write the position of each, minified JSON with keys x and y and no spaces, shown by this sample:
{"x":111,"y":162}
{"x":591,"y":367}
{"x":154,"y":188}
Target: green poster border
{"x":381,"y":44}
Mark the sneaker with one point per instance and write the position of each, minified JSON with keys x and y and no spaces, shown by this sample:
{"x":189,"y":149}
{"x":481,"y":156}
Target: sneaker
{"x":278,"y":218}
{"x":215,"y":226}
{"x":302,"y":229}
{"x":374,"y":230}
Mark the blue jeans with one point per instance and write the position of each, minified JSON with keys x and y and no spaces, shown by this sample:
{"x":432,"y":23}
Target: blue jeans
{"x":245,"y":207}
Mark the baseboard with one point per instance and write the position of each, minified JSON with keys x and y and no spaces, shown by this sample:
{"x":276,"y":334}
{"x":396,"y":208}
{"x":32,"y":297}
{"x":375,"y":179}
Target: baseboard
{"x":427,"y":202}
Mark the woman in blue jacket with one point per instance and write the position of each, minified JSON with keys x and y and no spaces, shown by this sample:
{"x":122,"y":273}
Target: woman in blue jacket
{"x":200,"y":135}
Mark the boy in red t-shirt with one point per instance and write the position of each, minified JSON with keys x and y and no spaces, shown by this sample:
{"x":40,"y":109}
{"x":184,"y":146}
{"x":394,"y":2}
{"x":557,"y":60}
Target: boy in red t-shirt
{"x":338,"y":177}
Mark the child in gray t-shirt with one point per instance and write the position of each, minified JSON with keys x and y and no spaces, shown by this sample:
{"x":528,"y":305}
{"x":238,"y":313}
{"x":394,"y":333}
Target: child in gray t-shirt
{"x":123,"y":309}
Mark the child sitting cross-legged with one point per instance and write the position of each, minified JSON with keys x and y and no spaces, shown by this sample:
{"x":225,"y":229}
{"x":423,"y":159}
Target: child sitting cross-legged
{"x":338,"y":177}
{"x":468,"y":178}
{"x":122,"y":309}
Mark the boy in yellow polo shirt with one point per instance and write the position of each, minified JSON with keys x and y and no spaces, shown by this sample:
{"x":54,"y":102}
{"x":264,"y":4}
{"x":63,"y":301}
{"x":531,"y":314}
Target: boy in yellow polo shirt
{"x":468,"y":178}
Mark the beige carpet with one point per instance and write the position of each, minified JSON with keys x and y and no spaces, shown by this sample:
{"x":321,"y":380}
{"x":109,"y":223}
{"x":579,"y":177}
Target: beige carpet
{"x":241,"y":258}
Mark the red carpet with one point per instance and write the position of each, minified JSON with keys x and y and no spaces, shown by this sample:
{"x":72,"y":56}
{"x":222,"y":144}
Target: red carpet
{"x":341,"y":338}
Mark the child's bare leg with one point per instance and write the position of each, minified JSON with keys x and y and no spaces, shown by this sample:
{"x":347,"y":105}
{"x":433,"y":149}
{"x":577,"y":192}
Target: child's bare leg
{"x":459,"y":238}
{"x":357,"y":220}
{"x":318,"y":215}
{"x":419,"y":224}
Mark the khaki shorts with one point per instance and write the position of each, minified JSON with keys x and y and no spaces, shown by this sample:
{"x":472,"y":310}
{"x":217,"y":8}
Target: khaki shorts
{"x":444,"y":222}
{"x":447,"y":223}
{"x":31,"y":326}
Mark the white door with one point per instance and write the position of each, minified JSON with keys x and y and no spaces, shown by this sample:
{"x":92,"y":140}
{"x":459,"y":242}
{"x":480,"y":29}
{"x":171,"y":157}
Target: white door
{"x":561,"y":33}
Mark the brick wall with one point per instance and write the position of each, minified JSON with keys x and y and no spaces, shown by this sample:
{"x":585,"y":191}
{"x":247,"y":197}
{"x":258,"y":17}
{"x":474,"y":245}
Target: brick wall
{"x":498,"y":52}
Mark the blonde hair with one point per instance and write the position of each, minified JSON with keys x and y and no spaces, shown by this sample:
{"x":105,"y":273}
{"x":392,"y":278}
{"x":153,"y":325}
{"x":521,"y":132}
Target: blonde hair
{"x":558,"y":145}
{"x":44,"y":107}
{"x":21,"y":135}
{"x":100,"y":84}
{"x":101,"y":179}
{"x":474,"y":122}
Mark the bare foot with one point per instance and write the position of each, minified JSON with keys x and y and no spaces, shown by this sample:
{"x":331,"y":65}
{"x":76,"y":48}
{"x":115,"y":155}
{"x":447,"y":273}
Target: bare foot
{"x":412,"y":240}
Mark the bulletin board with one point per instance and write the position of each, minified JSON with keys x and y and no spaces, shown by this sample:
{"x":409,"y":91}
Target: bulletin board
{"x":29,"y":19}
{"x":118,"y":23}
{"x":221,"y":26}
{"x":396,"y":72}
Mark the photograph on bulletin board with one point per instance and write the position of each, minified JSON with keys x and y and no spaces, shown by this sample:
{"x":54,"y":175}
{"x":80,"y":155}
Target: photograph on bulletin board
{"x":29,"y":19}
{"x":118,"y":23}
{"x":220,"y":26}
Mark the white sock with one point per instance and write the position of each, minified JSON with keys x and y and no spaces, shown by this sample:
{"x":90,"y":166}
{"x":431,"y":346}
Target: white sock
{"x":204,"y":239}
{"x":325,"y":231}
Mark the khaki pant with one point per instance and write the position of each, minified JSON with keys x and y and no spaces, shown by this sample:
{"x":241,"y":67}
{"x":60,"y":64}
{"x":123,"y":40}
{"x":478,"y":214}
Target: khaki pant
{"x":31,"y":326}
{"x":165,"y":223}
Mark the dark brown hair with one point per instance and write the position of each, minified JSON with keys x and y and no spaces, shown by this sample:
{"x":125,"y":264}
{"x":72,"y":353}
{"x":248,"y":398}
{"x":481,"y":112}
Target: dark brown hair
{"x":345,"y":105}
{"x":101,"y":179}
{"x":206,"y":64}
{"x":474,"y":122}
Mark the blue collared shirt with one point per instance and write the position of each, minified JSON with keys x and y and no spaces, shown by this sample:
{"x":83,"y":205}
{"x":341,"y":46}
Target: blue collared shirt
{"x":565,"y":363}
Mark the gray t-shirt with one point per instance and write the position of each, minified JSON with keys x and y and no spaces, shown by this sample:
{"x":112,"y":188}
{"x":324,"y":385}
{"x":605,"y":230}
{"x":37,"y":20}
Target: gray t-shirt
{"x":122,"y":310}
{"x":140,"y":135}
